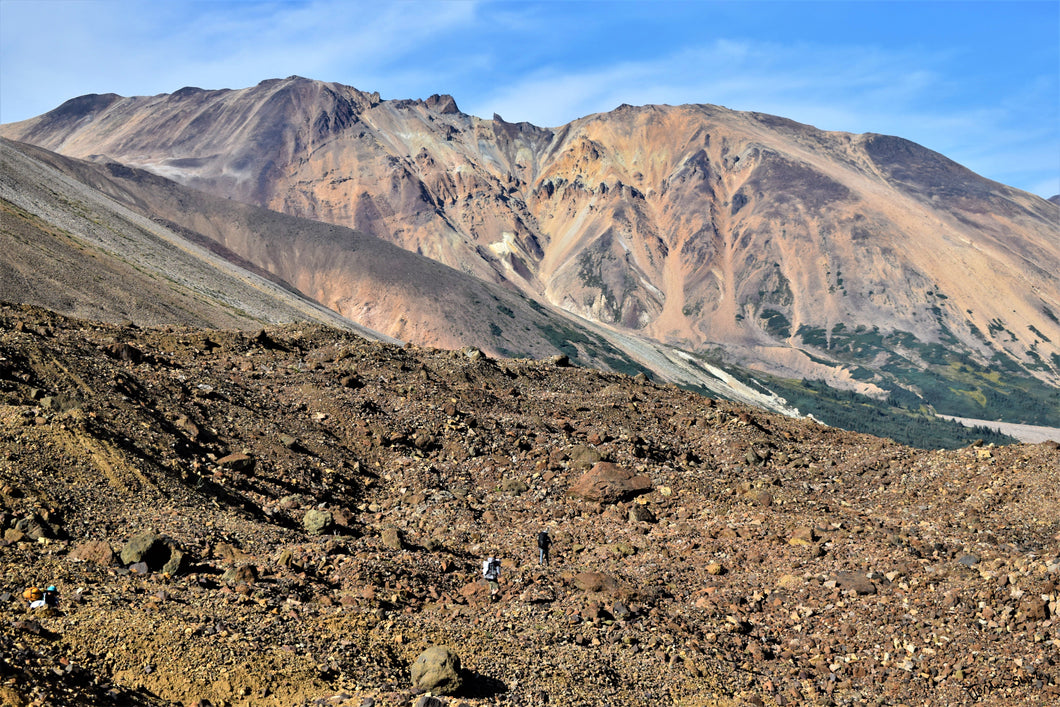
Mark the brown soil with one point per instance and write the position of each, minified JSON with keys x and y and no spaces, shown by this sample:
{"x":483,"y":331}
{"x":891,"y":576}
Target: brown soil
{"x":772,"y":561}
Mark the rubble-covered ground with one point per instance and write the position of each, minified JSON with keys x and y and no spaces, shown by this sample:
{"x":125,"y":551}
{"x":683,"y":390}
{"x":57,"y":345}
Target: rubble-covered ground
{"x":323,"y":505}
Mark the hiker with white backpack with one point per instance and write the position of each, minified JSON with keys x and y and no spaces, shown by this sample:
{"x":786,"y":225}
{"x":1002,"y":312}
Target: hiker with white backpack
{"x":491,"y":572}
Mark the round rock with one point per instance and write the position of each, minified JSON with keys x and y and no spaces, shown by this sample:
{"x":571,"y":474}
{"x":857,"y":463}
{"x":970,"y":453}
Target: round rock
{"x":317,"y":522}
{"x":437,"y":670}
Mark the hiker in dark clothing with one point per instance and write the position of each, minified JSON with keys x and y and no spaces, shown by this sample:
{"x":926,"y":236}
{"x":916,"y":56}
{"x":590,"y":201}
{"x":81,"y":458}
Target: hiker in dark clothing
{"x":544,"y":542}
{"x":491,"y":572}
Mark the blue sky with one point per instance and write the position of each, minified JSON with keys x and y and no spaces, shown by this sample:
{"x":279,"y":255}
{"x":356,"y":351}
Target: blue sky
{"x":976,"y":81}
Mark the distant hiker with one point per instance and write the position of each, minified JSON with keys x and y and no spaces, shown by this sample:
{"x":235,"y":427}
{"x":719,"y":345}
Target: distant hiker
{"x":544,"y":542}
{"x":491,"y":572}
{"x":39,"y":599}
{"x":51,"y":596}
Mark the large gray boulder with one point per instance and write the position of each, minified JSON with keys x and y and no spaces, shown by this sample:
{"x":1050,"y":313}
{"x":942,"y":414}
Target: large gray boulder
{"x":158,"y":552}
{"x":437,"y":670}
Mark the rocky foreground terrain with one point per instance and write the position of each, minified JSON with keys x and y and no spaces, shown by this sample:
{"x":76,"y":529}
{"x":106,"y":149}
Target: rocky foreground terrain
{"x":311,"y":511}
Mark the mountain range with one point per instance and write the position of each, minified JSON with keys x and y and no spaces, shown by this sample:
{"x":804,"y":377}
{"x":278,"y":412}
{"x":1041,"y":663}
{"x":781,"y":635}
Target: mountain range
{"x":658,"y":238}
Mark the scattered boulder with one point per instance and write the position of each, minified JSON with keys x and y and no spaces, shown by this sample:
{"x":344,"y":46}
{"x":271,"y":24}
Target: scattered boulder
{"x":423,"y":440}
{"x":96,"y":551}
{"x":227,"y":552}
{"x":437,"y":670}
{"x":514,"y":487}
{"x":125,"y":352}
{"x":292,"y":443}
{"x":803,"y":535}
{"x":606,"y":482}
{"x":1033,"y":608}
{"x":855,"y":581}
{"x":392,"y":538}
{"x":158,"y":552}
{"x":186,"y":425}
{"x":641,"y":514}
{"x":35,"y":527}
{"x":60,"y":403}
{"x":244,"y":573}
{"x":429,"y":701}
{"x":351,"y":380}
{"x":318,"y":522}
{"x":595,"y":582}
{"x":263,"y":339}
{"x":243,"y":463}
{"x":474,"y":592}
{"x":759,"y":497}
{"x":583,"y":457}
{"x":594,"y":612}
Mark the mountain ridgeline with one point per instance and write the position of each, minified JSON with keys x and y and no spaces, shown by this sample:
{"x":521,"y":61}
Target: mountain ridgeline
{"x":864,"y":262}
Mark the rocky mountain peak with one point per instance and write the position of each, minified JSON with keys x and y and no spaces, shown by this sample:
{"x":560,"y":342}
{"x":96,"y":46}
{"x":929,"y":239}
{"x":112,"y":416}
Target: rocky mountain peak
{"x":444,"y":104}
{"x":853,"y":259}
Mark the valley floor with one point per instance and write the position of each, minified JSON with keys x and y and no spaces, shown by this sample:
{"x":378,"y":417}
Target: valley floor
{"x":1024,"y":433}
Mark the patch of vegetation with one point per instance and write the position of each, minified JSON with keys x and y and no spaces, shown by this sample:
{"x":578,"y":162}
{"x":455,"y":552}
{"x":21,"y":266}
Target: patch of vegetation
{"x":589,"y":274}
{"x":568,"y":339}
{"x":996,"y":325}
{"x":943,"y":375}
{"x":861,"y":373}
{"x":813,"y":336}
{"x":1040,"y":335}
{"x":776,"y":323}
{"x":777,"y":289}
{"x":859,"y":413}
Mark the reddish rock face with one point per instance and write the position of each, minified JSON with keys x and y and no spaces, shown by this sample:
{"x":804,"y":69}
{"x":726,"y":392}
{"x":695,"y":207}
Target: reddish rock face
{"x":96,"y":551}
{"x":609,"y":483}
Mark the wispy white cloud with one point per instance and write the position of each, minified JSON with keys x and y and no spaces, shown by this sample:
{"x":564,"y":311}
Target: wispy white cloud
{"x":847,"y":88}
{"x":59,"y":49}
{"x":549,"y":63}
{"x":739,"y":75}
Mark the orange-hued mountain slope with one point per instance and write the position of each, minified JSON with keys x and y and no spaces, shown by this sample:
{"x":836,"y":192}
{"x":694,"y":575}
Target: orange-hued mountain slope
{"x":805,"y":253}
